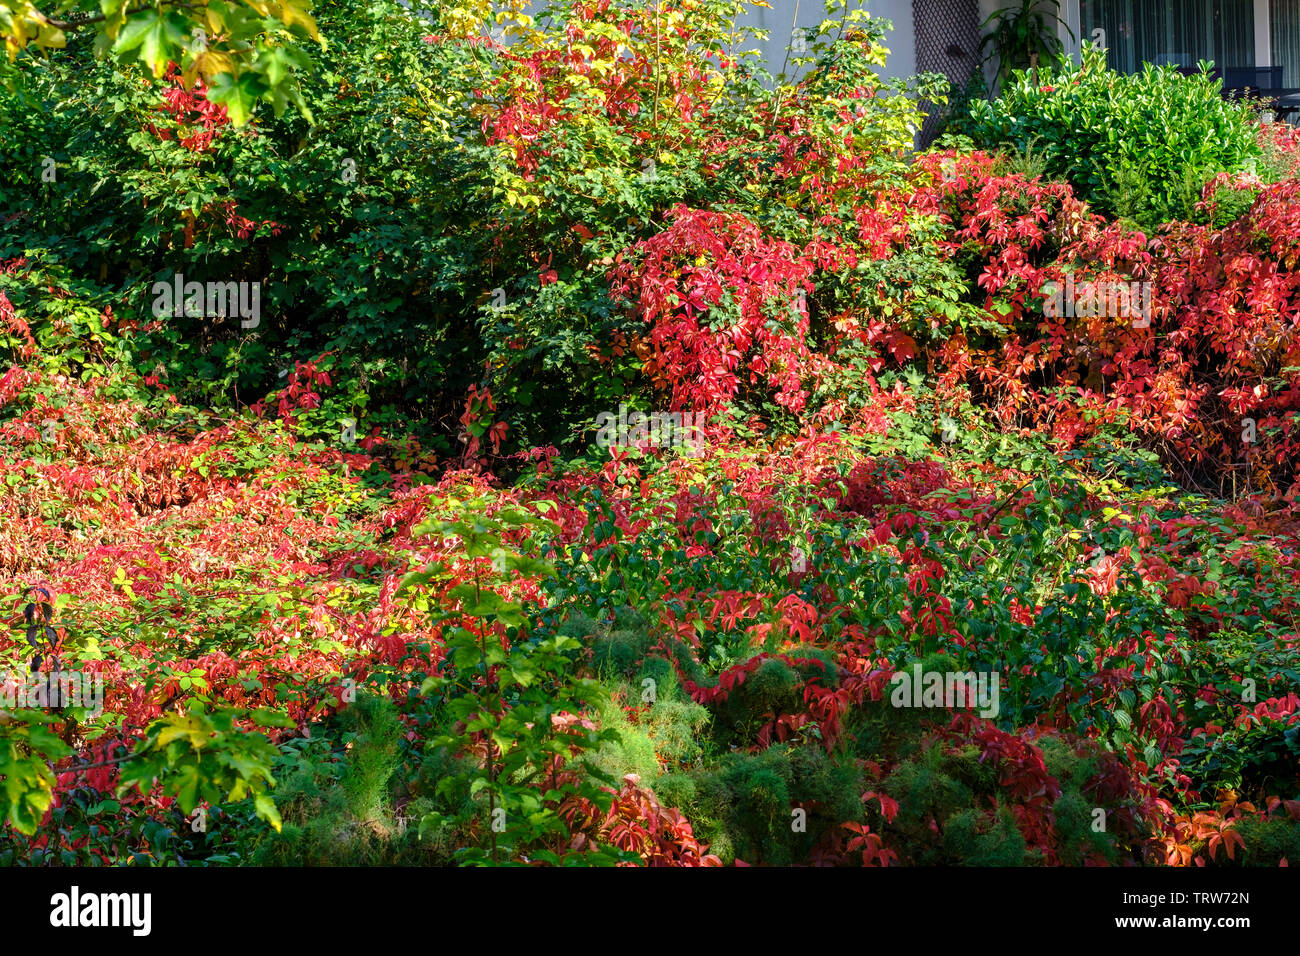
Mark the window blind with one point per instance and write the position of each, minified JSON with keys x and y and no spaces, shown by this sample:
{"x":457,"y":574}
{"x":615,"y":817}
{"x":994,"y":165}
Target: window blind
{"x":1177,"y":32}
{"x":1285,"y":18}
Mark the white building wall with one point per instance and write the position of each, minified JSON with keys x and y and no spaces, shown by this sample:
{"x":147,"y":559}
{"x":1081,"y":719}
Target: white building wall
{"x":780,"y":20}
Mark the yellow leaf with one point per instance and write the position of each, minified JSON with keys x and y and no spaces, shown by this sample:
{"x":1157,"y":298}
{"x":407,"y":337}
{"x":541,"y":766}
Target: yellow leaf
{"x":168,"y":734}
{"x":290,"y":15}
{"x":212,"y":62}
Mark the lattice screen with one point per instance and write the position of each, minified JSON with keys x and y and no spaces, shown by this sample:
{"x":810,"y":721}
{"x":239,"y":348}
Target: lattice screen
{"x":947,"y":42}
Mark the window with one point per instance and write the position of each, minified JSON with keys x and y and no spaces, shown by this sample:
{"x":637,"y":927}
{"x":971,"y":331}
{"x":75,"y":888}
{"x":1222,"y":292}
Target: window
{"x":1285,"y":18}
{"x":1178,"y":32}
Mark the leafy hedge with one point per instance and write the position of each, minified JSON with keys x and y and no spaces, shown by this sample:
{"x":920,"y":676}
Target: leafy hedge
{"x":1140,"y":146}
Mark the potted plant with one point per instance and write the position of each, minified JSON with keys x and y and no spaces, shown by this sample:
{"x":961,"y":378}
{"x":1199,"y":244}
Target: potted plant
{"x":1022,"y":36}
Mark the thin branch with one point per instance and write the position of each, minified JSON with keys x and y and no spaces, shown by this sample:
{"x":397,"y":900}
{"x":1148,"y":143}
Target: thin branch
{"x":83,"y":19}
{"x":103,"y":763}
{"x":80,"y":20}
{"x":988,"y":522}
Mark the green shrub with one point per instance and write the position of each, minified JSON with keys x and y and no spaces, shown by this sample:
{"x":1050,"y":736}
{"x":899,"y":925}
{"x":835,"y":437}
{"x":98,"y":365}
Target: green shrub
{"x":771,"y":807}
{"x":664,"y":734}
{"x":773,"y":689}
{"x":336,"y":797}
{"x":1136,"y":146}
{"x":974,"y":838}
{"x":1267,"y":842}
{"x":618,"y":647}
{"x":385,"y":229}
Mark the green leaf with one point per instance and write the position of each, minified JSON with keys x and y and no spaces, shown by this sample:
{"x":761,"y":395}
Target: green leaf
{"x":270,"y":718}
{"x":156,"y":35}
{"x":239,"y":95}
